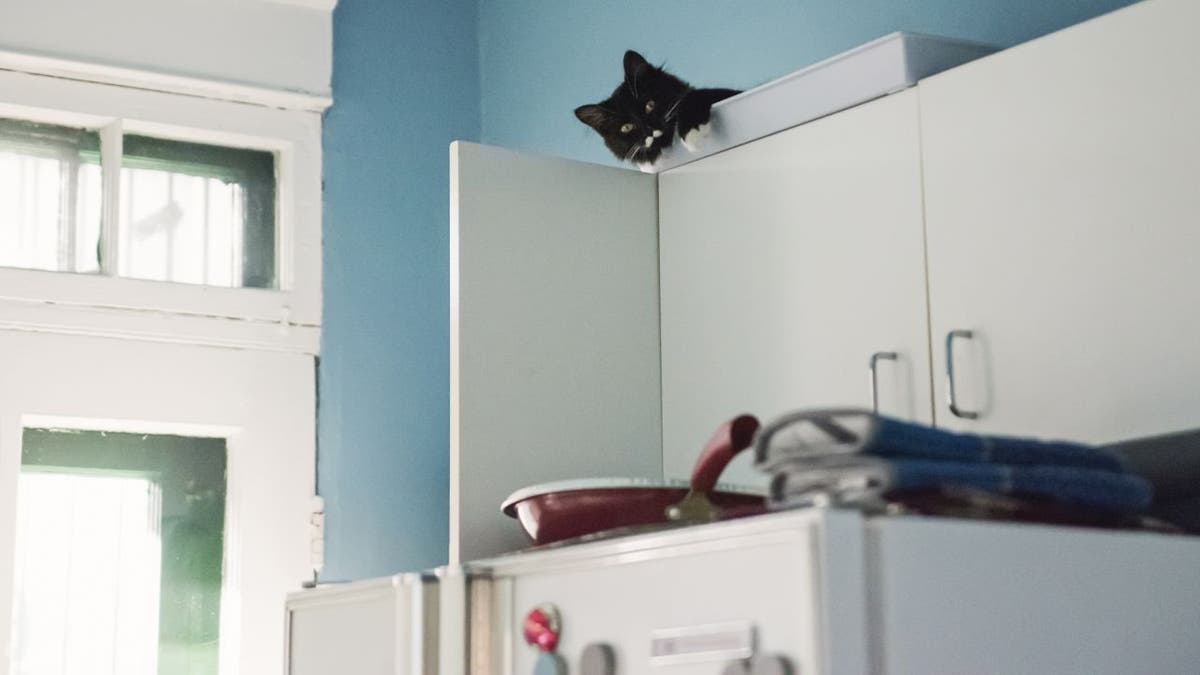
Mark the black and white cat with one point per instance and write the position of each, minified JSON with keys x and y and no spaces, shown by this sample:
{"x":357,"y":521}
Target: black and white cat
{"x":648,"y":110}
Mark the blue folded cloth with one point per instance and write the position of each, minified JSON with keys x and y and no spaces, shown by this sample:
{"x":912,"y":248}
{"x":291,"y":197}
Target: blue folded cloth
{"x":1112,"y":491}
{"x":817,"y":448}
{"x":893,"y":438}
{"x":820,"y":433}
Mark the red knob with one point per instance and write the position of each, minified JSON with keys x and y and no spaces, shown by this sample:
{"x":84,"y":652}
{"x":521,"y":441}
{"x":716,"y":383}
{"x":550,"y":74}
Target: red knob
{"x":542,"y":627}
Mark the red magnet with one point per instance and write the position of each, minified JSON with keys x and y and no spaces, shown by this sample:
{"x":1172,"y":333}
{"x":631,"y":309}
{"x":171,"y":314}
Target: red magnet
{"x":542,"y":627}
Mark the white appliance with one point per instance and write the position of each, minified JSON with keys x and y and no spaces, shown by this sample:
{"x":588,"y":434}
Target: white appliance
{"x":385,"y":626}
{"x":835,"y":592}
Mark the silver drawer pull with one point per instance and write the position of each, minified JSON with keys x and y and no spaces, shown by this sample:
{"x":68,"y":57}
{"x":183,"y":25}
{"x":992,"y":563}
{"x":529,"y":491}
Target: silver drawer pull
{"x":871,"y":371}
{"x":951,"y":395}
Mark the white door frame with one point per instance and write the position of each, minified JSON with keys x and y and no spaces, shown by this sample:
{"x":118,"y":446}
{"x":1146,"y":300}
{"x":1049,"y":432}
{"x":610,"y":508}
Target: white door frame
{"x":262,"y":403}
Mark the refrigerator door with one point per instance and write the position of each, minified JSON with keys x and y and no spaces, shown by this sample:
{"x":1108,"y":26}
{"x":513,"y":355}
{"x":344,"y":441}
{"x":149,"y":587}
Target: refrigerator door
{"x":778,"y":589}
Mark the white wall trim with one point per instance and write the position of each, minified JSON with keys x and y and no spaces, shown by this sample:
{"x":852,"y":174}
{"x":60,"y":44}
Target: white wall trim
{"x":151,"y":326}
{"x":134,"y":78}
{"x":326,"y":5}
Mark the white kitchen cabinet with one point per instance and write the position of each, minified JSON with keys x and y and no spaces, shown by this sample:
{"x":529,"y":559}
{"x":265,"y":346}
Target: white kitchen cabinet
{"x":553,"y":333}
{"x":1043,"y":198}
{"x":785,"y":265}
{"x":1042,"y":203}
{"x":1062,"y":196}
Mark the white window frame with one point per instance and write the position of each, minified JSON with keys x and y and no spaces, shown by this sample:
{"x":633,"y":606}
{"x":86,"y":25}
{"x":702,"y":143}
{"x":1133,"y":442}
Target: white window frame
{"x":287,"y":318}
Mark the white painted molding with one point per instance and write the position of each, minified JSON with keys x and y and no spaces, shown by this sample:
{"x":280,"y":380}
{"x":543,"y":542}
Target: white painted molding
{"x":134,"y":78}
{"x":326,"y":5}
{"x":152,"y":326}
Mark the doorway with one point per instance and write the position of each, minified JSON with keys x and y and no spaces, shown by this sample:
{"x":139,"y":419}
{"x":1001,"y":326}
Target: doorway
{"x":182,"y":474}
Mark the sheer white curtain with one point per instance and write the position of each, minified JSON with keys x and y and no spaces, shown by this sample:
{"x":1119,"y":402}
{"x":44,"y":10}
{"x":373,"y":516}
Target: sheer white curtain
{"x":87,"y":575}
{"x":49,"y":212}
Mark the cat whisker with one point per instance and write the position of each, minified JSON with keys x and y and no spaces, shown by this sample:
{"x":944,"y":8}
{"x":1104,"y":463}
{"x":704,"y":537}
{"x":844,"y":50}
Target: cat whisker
{"x":675,"y":107}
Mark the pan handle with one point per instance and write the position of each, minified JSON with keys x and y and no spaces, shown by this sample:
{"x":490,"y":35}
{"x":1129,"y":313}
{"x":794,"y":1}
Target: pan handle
{"x":730,"y":438}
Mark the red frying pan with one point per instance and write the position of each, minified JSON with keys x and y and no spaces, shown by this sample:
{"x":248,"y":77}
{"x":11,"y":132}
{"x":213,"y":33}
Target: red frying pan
{"x":561,"y":510}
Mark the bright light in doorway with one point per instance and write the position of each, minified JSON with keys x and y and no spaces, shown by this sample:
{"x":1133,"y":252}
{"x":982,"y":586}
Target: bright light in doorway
{"x":88,"y":575}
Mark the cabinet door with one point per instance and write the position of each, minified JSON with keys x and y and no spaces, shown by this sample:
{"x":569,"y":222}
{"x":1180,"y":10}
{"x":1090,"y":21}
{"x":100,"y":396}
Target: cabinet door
{"x":787,"y":263}
{"x":1063,"y":220}
{"x":553,"y":333}
{"x":382,"y":626}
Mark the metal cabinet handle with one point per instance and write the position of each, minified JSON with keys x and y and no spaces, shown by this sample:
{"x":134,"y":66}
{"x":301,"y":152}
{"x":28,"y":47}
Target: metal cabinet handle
{"x":871,"y":371}
{"x":951,"y":396}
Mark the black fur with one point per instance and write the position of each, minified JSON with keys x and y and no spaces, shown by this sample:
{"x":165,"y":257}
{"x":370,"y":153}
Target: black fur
{"x":649,"y":99}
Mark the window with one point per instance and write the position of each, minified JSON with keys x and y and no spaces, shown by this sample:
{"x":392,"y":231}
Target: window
{"x":119,"y":553}
{"x":195,"y":213}
{"x":50,"y":197}
{"x":131,"y":212}
{"x":188,"y":212}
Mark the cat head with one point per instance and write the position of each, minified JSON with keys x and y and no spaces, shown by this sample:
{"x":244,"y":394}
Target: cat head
{"x":638,"y":121}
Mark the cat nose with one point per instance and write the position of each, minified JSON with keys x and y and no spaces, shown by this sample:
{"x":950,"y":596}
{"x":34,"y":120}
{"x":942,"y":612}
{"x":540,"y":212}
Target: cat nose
{"x":657,"y":133}
{"x":649,"y":141}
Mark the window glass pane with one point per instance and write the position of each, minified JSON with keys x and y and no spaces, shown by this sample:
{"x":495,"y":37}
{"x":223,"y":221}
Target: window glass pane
{"x":50,"y":197}
{"x":199,"y":214}
{"x":119,"y":553}
{"x":89,"y":558}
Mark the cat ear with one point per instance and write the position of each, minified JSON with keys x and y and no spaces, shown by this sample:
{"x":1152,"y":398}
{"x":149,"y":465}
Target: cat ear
{"x":633,"y":62}
{"x":593,"y":115}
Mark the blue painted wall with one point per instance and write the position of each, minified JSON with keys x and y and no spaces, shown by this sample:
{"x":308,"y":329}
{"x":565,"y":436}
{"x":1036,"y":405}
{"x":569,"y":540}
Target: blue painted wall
{"x":542,"y":58}
{"x":406,"y":83}
{"x":409,"y":76}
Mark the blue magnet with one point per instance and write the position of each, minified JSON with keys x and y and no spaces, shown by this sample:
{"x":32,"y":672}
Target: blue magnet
{"x":549,"y":663}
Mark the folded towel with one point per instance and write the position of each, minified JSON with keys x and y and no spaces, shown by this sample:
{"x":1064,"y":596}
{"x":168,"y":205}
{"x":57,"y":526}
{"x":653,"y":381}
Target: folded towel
{"x":894,"y":438}
{"x":820,"y":433}
{"x":1108,"y":490}
{"x":847,"y":479}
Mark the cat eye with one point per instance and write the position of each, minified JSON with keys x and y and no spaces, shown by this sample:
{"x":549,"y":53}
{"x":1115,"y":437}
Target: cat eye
{"x":627,"y":127}
{"x":649,"y":106}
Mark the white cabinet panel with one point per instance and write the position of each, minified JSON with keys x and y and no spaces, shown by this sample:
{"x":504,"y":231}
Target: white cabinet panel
{"x":358,"y":638}
{"x":1063,"y":222}
{"x":553,"y":333}
{"x":784,"y":265}
{"x":376,"y":627}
